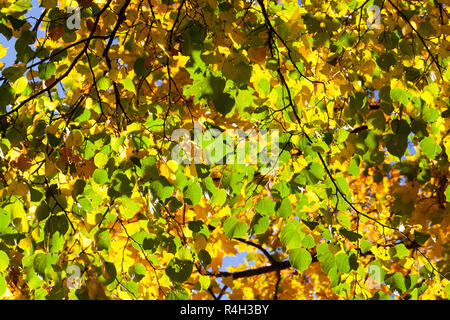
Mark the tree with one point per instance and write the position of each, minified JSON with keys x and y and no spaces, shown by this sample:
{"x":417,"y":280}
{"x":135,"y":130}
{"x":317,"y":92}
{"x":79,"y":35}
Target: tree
{"x":119,"y":122}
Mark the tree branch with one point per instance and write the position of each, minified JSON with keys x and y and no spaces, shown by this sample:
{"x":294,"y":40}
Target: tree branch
{"x":405,"y":18}
{"x":254,"y":272}
{"x":264,"y":251}
{"x":65,"y":74}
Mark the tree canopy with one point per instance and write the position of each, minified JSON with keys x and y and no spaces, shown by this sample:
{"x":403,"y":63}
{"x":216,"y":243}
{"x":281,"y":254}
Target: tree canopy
{"x":93,"y":204}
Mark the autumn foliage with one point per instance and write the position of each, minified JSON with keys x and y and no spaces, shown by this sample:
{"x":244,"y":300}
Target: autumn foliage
{"x":94,"y":206}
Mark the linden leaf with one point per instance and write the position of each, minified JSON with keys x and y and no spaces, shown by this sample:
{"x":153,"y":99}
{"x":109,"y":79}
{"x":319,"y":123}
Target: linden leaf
{"x":56,"y":32}
{"x":429,"y":148}
{"x":291,"y":235}
{"x":300,"y":259}
{"x":234,"y":228}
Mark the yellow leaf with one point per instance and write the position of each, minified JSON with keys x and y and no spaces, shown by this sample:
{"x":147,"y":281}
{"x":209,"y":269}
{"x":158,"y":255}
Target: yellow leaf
{"x":25,"y":243}
{"x":75,"y":139}
{"x":172,"y":165}
{"x":18,"y":188}
{"x":135,"y":126}
{"x":90,"y":218}
{"x":447,"y":146}
{"x":224,"y":212}
{"x":50,"y":168}
{"x":2,"y":51}
{"x":20,"y":84}
{"x":200,"y":243}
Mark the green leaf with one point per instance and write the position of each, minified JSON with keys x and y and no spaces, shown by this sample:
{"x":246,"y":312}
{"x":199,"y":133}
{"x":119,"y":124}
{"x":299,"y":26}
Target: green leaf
{"x":310,"y":224}
{"x":2,"y":285}
{"x":308,"y":242}
{"x":300,"y":259}
{"x":129,"y":85}
{"x":400,"y":95}
{"x":102,"y":240}
{"x":109,"y":274}
{"x":419,"y":128}
{"x":100,"y":176}
{"x":100,"y":159}
{"x":4,"y":261}
{"x":401,"y":251}
{"x":411,"y":74}
{"x":219,"y":197}
{"x":139,"y":67}
{"x":204,"y":282}
{"x":396,"y":282}
{"x":365,"y":245}
{"x":344,"y":220}
{"x":260,"y":113}
{"x":6,"y":96}
{"x":179,"y":270}
{"x":346,"y":39}
{"x":5,"y":219}
{"x":285,"y":208}
{"x":13,"y":73}
{"x":341,"y":135}
{"x":420,"y":237}
{"x":430,"y":114}
{"x":332,"y":25}
{"x":137,"y":272}
{"x":353,"y":168}
{"x":223,"y":103}
{"x":317,"y":170}
{"x":22,"y":5}
{"x":312,"y":24}
{"x":342,"y":184}
{"x":56,"y":242}
{"x":205,"y":257}
{"x":103,"y":83}
{"x":396,"y":144}
{"x":234,"y":228}
{"x":46,"y":70}
{"x":264,"y":85}
{"x":429,"y":148}
{"x":193,"y":193}
{"x":377,"y":122}
{"x":259,"y":224}
{"x":198,"y":227}
{"x":291,"y":235}
{"x":281,"y":190}
{"x":40,"y":264}
{"x":57,"y":223}
{"x":386,"y":60}
{"x":131,"y":207}
{"x":350,"y":235}
{"x":162,"y":187}
{"x":78,"y":188}
{"x":342,"y":262}
{"x":178,"y":293}
{"x":265,"y":206}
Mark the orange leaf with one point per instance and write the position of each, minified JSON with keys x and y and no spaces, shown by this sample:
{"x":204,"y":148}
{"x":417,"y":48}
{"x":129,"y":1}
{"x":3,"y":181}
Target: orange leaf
{"x":85,"y":3}
{"x":257,"y":54}
{"x":90,"y":24}
{"x":56,"y":32}
{"x":22,"y":163}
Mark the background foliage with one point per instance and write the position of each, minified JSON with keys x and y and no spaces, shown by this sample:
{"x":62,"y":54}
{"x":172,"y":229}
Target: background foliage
{"x":86,"y":177}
